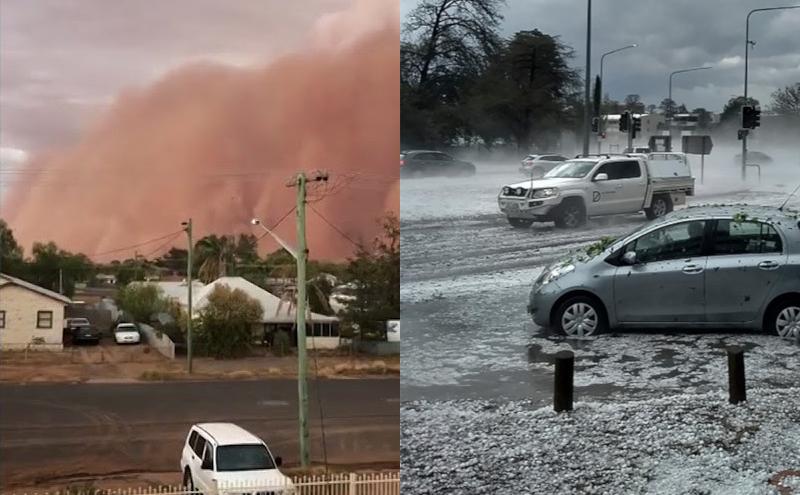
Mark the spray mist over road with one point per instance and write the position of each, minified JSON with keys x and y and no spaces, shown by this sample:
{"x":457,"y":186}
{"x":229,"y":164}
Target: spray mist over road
{"x":218,"y":144}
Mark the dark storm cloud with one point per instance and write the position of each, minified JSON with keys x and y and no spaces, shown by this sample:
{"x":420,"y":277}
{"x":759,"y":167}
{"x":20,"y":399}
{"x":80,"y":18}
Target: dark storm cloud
{"x":63,"y":60}
{"x":671,"y":35}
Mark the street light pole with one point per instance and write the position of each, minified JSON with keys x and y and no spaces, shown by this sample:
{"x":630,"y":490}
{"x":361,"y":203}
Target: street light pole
{"x":188,"y":228}
{"x":587,"y":118}
{"x":746,"y":64}
{"x":671,"y":109}
{"x":600,"y":125}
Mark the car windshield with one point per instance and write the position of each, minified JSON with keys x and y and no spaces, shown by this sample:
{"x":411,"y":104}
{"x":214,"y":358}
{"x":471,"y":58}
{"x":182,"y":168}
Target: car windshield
{"x":126,"y":328}
{"x":243,"y":458}
{"x":571,"y":170}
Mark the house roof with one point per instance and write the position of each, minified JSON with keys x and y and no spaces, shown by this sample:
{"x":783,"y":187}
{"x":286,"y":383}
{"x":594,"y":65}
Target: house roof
{"x":276,"y":310}
{"x":176,"y":289}
{"x":35,"y":288}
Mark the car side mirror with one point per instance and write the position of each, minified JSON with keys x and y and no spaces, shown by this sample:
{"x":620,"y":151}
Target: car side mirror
{"x":601,"y":177}
{"x":279,"y":461}
{"x":629,"y":258}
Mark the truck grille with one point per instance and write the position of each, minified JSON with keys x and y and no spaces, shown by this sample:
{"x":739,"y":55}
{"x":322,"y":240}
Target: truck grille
{"x":517,"y":192}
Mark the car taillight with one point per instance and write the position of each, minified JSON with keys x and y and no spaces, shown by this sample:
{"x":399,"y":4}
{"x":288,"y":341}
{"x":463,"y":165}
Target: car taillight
{"x":402,"y":162}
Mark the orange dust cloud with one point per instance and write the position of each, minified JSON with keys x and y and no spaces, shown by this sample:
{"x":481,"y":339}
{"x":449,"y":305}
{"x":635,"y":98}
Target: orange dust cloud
{"x":218,"y":144}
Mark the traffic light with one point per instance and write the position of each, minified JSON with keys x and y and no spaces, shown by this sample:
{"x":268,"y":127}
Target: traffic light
{"x":624,"y":120}
{"x":751,"y":117}
{"x":637,"y":126}
{"x":595,"y":124}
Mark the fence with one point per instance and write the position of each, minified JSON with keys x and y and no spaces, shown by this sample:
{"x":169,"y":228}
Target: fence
{"x":333,"y":484}
{"x":162,"y":343}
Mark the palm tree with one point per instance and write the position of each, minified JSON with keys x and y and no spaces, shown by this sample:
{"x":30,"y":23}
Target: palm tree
{"x":214,"y":255}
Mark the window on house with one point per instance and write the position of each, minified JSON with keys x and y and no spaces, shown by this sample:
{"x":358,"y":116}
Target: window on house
{"x":44,"y":319}
{"x":2,"y":319}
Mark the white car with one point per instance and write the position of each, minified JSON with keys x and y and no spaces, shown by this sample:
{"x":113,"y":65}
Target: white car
{"x":220,"y":457}
{"x":127,"y":333}
{"x":600,"y":185}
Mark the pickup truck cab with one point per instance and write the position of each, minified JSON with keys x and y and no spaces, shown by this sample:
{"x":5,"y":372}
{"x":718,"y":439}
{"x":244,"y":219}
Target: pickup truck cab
{"x":600,"y":185}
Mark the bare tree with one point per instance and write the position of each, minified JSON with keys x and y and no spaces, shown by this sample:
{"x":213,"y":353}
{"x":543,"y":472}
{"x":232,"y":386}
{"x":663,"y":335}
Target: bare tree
{"x":442,"y":37}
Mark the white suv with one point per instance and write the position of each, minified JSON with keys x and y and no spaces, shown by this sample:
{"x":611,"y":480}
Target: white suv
{"x":225,"y":458}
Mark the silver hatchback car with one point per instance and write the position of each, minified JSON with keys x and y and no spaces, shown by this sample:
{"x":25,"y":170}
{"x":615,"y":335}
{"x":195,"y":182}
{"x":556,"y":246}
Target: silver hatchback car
{"x":709,"y":266}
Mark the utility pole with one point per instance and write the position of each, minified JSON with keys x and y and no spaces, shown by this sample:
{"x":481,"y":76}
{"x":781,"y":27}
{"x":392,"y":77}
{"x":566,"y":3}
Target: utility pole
{"x":301,"y":256}
{"x":60,"y":281}
{"x":587,"y":118}
{"x":630,"y":133}
{"x":188,"y":229}
{"x":746,"y":64}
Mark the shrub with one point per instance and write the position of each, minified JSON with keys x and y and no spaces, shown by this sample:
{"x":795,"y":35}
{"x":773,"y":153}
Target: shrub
{"x":225,"y":324}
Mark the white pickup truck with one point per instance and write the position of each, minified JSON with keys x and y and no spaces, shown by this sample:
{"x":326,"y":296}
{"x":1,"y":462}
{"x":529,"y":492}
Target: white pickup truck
{"x":600,"y":185}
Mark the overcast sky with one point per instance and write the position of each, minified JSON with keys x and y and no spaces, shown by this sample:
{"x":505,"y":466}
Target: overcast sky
{"x":63,"y":61}
{"x":671,"y":35}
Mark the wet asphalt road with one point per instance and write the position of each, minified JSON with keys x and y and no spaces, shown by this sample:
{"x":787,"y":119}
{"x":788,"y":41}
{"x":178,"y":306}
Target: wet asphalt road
{"x":48,"y":431}
{"x":465,"y":278}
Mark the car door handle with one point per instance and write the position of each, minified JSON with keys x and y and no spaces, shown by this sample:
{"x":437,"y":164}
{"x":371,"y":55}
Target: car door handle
{"x":768,"y":265}
{"x":692,"y":269}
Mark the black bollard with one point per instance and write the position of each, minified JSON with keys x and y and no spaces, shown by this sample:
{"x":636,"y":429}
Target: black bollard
{"x":565,"y":372}
{"x":736,"y":382}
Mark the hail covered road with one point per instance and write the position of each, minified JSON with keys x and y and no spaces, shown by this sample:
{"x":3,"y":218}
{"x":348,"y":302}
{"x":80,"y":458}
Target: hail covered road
{"x":465,"y":279}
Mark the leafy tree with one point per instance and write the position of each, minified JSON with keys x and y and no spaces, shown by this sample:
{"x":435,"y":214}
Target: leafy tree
{"x":213,"y":256}
{"x":786,"y":101}
{"x":142,"y":301}
{"x":225,"y":324}
{"x":526,"y":87}
{"x":374,"y":274}
{"x":51,"y":267}
{"x":174,"y":260}
{"x":703,"y":118}
{"x":681,"y":109}
{"x":634,"y":104}
{"x":11,"y":254}
{"x":667,"y":106}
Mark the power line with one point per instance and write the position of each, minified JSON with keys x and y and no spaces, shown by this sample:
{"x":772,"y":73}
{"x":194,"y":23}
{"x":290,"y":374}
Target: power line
{"x":128,"y":248}
{"x":356,"y":244}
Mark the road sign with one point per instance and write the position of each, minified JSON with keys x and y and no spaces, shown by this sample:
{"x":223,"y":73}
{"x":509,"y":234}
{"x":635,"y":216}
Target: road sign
{"x":697,"y":145}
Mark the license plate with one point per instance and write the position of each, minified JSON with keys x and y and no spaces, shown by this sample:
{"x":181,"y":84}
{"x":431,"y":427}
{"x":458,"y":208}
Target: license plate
{"x":512,"y":206}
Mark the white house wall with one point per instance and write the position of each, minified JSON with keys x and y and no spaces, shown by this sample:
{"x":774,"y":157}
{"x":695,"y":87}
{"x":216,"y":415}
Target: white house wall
{"x":21,"y":308}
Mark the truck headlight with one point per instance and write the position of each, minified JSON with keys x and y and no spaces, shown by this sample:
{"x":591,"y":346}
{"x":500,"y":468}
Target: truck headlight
{"x":547,"y":192}
{"x":555,"y":273}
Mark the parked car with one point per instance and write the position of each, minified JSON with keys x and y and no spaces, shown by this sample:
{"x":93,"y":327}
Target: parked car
{"x":127,"y":333}
{"x":433,"y":164}
{"x":219,"y":455}
{"x":70,"y":323}
{"x":602,"y":185}
{"x":537,"y":165}
{"x":84,"y":333}
{"x":756,"y":157}
{"x":713,"y":266}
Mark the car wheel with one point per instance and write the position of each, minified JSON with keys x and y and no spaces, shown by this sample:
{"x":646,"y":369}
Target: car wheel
{"x":520,"y":223}
{"x":580,"y":316}
{"x":570,"y":215}
{"x":659,"y":206}
{"x":784,"y":319}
